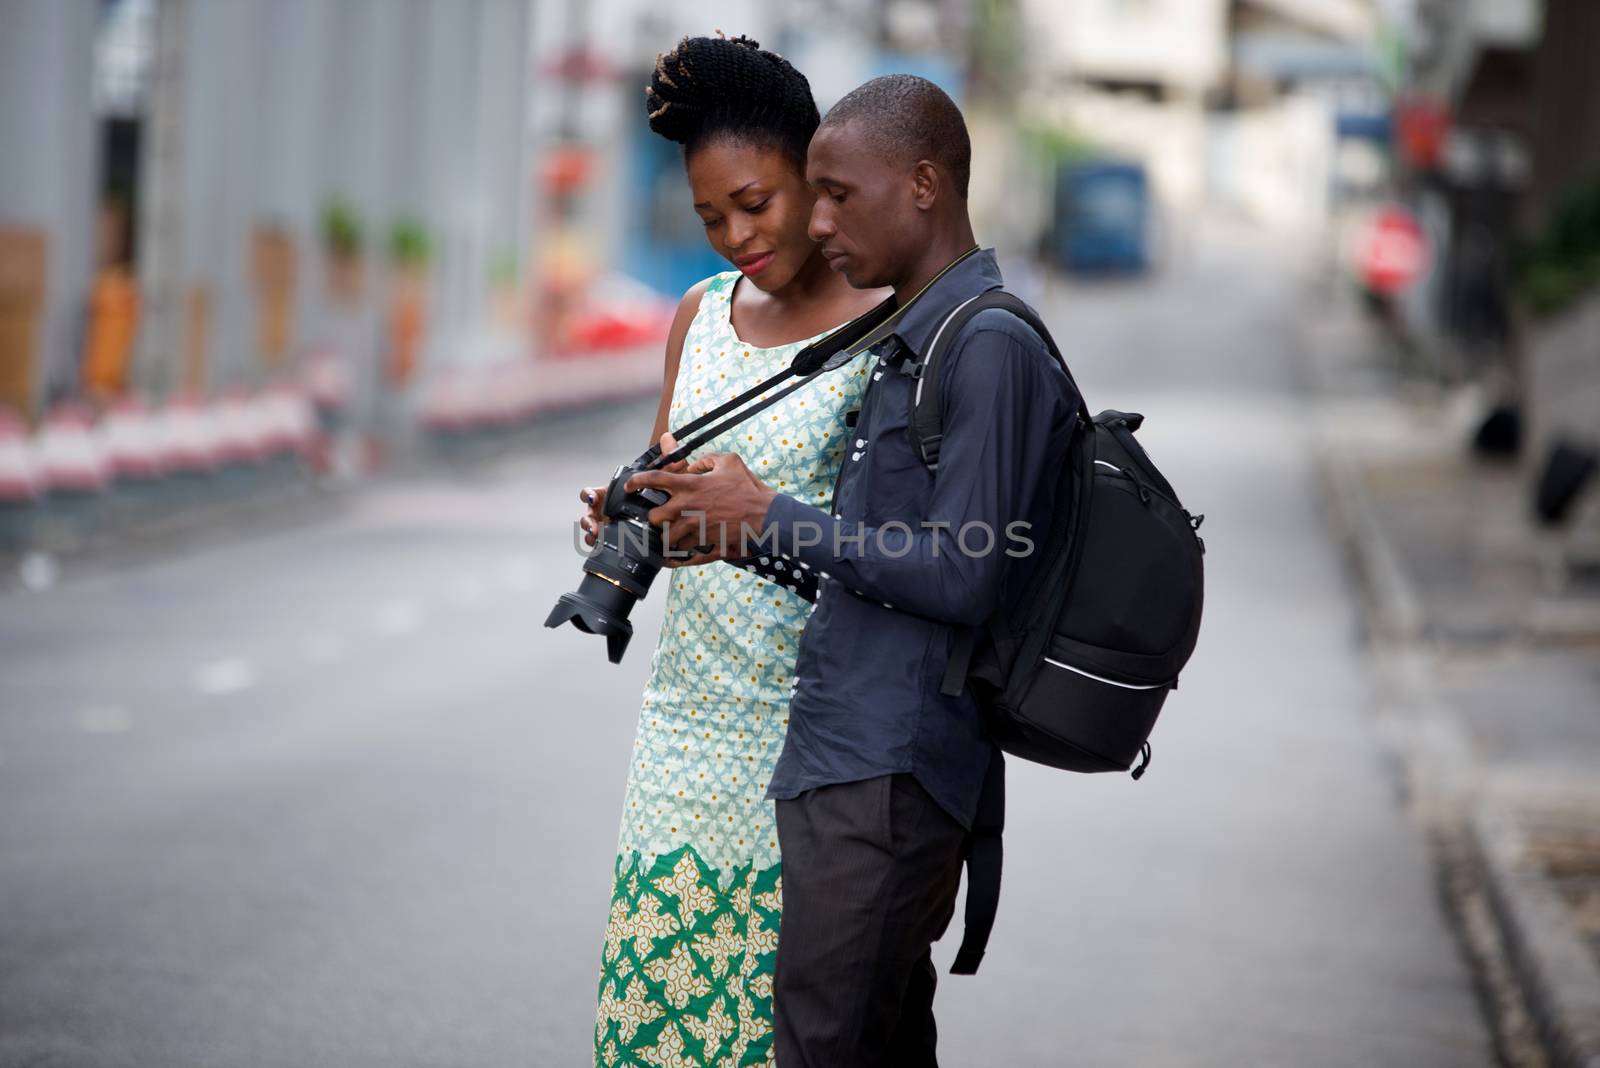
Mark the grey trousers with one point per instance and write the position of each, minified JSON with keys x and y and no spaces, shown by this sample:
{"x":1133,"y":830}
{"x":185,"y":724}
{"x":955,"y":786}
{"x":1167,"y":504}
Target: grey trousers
{"x":870,"y":873}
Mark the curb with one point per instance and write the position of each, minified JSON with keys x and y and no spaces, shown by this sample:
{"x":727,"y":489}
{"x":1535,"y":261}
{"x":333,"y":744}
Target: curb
{"x":1395,"y":607}
{"x":1553,"y":965}
{"x":1559,"y":975}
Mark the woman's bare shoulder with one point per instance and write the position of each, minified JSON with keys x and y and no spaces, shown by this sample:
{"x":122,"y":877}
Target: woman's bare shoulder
{"x":690,"y":302}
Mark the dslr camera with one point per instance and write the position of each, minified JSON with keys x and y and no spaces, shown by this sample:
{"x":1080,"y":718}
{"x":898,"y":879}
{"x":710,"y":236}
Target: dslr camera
{"x":627,"y":554}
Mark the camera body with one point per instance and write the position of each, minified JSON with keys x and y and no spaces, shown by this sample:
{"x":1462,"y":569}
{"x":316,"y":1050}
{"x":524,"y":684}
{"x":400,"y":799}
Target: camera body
{"x":621,"y":505}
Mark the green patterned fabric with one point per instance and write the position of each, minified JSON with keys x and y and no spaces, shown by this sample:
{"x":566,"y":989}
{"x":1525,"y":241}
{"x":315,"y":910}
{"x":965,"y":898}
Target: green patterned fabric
{"x":688,"y":981}
{"x":687,"y":972}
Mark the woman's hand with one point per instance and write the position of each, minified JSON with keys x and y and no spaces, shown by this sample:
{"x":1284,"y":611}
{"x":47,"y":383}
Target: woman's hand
{"x":595,"y":498}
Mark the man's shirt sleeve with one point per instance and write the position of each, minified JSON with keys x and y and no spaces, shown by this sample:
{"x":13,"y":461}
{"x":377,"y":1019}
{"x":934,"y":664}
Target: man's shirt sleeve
{"x":1004,"y":395}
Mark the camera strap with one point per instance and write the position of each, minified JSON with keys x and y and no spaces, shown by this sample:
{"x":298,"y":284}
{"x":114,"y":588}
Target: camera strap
{"x":821,"y":356}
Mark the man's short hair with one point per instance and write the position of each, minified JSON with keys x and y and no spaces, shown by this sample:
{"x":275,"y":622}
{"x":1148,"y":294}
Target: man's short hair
{"x":909,"y":118}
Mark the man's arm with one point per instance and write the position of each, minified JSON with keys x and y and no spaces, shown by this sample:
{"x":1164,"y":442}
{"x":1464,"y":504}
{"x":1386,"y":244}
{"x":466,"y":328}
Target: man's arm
{"x":1005,"y":396}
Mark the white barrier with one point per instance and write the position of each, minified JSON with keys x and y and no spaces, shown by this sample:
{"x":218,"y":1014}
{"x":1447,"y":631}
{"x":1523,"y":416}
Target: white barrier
{"x":236,"y":432}
{"x":186,"y":439}
{"x":128,"y":441}
{"x":297,"y":419}
{"x":436,"y":404}
{"x":17,"y":483}
{"x":69,"y":455}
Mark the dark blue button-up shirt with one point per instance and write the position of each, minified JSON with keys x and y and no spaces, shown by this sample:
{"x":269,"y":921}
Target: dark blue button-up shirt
{"x":909,"y":556}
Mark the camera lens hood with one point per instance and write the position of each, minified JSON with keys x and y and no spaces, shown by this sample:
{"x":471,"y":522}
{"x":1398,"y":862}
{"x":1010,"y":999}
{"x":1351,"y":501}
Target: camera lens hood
{"x":590,"y":618}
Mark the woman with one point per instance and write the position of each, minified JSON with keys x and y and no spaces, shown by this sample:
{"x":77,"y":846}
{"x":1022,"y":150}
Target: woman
{"x":686,"y":976}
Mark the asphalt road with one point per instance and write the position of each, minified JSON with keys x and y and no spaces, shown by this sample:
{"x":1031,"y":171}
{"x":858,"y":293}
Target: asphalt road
{"x":328,"y":794}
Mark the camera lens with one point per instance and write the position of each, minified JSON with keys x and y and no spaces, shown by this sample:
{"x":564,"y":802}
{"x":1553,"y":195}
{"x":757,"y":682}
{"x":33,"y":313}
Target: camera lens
{"x":617,"y":574}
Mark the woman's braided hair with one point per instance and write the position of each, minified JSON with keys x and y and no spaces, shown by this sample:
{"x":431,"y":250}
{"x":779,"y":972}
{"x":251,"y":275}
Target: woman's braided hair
{"x":710,"y":87}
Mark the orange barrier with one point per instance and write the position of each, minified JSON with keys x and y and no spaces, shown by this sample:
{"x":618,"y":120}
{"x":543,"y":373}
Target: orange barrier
{"x":113,"y":328}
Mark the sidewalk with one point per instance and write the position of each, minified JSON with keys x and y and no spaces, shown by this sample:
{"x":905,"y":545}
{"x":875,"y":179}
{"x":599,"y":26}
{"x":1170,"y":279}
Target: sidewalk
{"x":1493,"y":678}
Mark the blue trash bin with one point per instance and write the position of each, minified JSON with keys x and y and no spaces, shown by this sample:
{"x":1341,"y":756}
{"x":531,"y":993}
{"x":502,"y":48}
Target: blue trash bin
{"x":1102,"y":217}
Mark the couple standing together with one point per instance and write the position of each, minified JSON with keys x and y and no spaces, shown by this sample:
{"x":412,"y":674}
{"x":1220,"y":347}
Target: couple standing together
{"x":794,"y":706}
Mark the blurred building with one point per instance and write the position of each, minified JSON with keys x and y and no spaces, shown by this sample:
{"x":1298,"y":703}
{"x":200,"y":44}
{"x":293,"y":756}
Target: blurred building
{"x":1229,"y":103}
{"x":48,"y":199}
{"x":1463,"y":141}
{"x":206,"y":194}
{"x":1497,"y":146}
{"x":617,"y":198}
{"x":1163,"y":48}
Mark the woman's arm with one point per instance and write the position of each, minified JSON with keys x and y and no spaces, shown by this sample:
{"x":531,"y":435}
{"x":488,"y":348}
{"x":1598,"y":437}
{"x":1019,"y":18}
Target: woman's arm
{"x":680,"y":330}
{"x":595,"y":496}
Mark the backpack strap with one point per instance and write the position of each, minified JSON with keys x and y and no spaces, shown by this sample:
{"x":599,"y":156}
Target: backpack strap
{"x":925,"y":426}
{"x":985,"y":857}
{"x":964,"y":645}
{"x":1077,"y":480}
{"x":986,"y":850}
{"x":925,"y":422}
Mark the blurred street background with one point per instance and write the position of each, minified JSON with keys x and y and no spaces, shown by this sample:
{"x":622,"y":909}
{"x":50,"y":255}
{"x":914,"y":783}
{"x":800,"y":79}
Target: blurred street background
{"x":316,"y":314}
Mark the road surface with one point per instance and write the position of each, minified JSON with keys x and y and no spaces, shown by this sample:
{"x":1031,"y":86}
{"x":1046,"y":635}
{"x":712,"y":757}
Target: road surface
{"x":328,"y":794}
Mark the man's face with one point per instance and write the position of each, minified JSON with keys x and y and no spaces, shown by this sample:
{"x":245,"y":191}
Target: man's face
{"x":865,"y":219}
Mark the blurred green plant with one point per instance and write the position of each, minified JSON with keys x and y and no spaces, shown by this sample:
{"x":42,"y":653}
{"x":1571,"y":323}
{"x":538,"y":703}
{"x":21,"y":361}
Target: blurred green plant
{"x":1060,"y":146}
{"x":341,"y":227}
{"x":503,"y":269}
{"x":1391,"y":51}
{"x":408,"y":243}
{"x":995,"y":45}
{"x":1563,"y":262}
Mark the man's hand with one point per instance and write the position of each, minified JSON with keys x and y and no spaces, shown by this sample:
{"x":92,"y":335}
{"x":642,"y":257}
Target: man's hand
{"x":713,"y":501}
{"x":595,"y":496}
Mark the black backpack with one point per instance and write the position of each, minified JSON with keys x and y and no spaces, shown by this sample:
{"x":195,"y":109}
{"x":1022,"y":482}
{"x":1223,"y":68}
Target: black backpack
{"x":1075,"y":675}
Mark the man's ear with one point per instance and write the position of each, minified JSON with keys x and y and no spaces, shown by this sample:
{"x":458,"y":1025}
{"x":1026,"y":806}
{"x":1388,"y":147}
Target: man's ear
{"x":925,"y":184}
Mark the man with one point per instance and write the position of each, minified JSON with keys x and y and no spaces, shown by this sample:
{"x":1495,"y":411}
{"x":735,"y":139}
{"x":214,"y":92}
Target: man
{"x":880,"y":777}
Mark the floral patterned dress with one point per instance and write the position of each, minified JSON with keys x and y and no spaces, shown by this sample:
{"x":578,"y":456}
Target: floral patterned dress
{"x":686,"y":972}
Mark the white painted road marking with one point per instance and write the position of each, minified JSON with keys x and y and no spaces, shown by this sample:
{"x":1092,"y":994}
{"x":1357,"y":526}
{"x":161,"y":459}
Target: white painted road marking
{"x":324,"y":649}
{"x":38,"y":572}
{"x":399,"y":617}
{"x":104,"y":719}
{"x":229,"y":675}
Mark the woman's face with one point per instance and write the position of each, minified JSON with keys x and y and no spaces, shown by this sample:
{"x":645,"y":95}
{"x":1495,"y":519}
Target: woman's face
{"x":756,"y":207}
